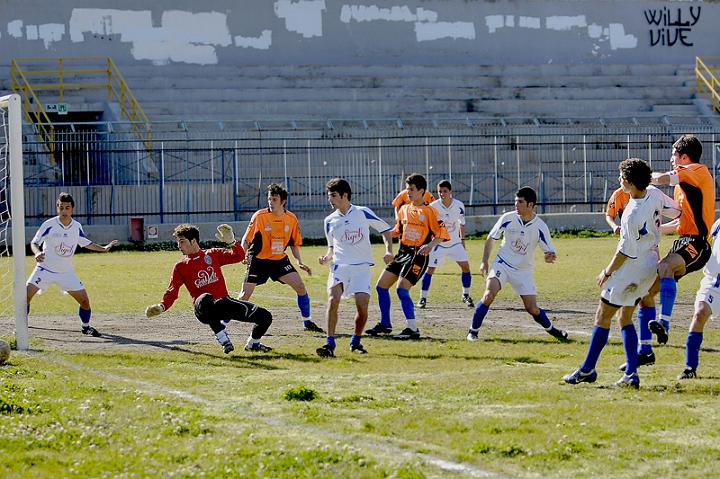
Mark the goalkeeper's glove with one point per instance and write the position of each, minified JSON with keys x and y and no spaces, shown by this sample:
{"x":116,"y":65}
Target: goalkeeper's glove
{"x":225,"y":234}
{"x":154,"y":310}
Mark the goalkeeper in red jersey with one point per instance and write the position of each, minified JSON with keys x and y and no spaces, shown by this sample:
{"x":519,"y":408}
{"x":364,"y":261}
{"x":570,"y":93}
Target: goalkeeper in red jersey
{"x":200,"y":271}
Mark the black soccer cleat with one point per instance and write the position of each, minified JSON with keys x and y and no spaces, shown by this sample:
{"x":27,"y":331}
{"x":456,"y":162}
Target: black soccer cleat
{"x":643,"y":360}
{"x":257,"y":348}
{"x":408,"y":333}
{"x":468,"y":301}
{"x":378,"y":329}
{"x":631,"y":381}
{"x":90,"y":331}
{"x":312,"y":327}
{"x":358,"y":348}
{"x":559,"y":334}
{"x":325,"y":351}
{"x":580,"y":377}
{"x":657,"y":328}
{"x":228,"y":347}
{"x":688,"y":373}
{"x":422,"y":302}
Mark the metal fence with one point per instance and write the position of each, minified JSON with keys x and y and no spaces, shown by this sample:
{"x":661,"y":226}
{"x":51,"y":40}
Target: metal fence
{"x":212,"y":177}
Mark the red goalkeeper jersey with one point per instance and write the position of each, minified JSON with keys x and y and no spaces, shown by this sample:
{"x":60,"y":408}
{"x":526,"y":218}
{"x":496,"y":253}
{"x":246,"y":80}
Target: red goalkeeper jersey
{"x":202,"y":273}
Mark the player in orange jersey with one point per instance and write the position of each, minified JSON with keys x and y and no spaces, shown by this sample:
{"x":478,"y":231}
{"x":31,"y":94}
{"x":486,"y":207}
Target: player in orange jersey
{"x":420,"y":231}
{"x":615,"y":206}
{"x":402,"y":198}
{"x":270,"y":232}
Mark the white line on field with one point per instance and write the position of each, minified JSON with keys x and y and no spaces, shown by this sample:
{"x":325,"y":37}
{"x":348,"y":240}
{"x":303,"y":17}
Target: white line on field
{"x":379,"y":449}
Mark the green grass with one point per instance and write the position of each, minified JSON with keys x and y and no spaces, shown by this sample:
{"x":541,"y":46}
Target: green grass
{"x":497,"y":405}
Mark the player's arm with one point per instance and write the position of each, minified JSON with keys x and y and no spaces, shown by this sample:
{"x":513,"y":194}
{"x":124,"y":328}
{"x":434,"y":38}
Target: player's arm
{"x":667,"y":178}
{"x":546,"y":243}
{"x":387,"y":239}
{"x":171,"y":294}
{"x":487,"y":250}
{"x":617,"y":261}
{"x":38,"y":252}
{"x":101,"y":249}
{"x":610,"y":220}
{"x":295,"y":249}
{"x":462,"y":234}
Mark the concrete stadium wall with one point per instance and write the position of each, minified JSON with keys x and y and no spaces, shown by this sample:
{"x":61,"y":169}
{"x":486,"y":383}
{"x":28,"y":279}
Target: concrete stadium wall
{"x":322,"y":32}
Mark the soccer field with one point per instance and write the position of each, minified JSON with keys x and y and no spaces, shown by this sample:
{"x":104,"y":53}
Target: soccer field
{"x":158,"y":398}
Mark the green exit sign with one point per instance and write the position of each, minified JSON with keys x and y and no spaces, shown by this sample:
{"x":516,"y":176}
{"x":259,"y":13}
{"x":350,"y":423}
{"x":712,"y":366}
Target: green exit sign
{"x":59,"y":108}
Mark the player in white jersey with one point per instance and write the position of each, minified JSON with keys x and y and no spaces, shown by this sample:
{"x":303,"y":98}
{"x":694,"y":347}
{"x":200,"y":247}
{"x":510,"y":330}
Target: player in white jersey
{"x":347,"y":230}
{"x":54,"y":245}
{"x":629,"y":275}
{"x":522,"y":231}
{"x":707,"y":304}
{"x":452,"y":213}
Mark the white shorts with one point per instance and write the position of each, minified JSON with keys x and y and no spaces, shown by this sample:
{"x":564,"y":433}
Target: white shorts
{"x":521,"y":280}
{"x":355,"y":278}
{"x":631,"y":281}
{"x":43,"y":279}
{"x":455,"y":252}
{"x":709,"y":294}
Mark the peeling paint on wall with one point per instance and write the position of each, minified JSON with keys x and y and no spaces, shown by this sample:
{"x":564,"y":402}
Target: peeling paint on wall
{"x":303,"y":17}
{"x":51,"y":32}
{"x":434,"y":31}
{"x":565,"y":23}
{"x":14,"y":28}
{"x":262,"y":42}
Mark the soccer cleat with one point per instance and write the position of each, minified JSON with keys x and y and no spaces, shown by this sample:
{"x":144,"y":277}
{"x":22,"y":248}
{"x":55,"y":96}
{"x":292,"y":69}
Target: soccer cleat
{"x":90,"y":331}
{"x":657,"y":328}
{"x":228,"y":347}
{"x":325,"y":351}
{"x":688,"y":373}
{"x":358,"y":348}
{"x":643,"y":360}
{"x":580,"y":377}
{"x":631,"y":381}
{"x":310,"y":326}
{"x":422,"y":302}
{"x":408,"y":333}
{"x":472,"y":336}
{"x":378,"y":329}
{"x":258,"y":348}
{"x":468,"y":301}
{"x":559,"y":334}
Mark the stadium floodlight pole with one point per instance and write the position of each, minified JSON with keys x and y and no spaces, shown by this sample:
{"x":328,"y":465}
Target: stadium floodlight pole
{"x":17,"y":215}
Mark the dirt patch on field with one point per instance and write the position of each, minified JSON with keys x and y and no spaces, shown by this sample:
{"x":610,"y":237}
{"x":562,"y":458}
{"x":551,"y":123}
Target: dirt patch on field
{"x":176,"y":329}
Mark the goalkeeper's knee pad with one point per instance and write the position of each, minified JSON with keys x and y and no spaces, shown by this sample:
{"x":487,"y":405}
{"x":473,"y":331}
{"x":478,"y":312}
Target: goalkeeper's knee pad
{"x":262,"y":317}
{"x":204,"y":308}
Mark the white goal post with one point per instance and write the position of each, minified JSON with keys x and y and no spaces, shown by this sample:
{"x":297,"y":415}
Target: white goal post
{"x":12,"y":106}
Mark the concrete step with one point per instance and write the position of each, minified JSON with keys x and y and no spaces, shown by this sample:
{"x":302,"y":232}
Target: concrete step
{"x":676,"y":109}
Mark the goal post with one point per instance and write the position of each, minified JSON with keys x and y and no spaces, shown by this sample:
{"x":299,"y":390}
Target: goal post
{"x":11,"y":111}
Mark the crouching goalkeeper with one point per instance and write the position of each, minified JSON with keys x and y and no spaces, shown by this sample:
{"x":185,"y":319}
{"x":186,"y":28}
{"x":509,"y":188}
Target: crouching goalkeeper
{"x":200,"y":271}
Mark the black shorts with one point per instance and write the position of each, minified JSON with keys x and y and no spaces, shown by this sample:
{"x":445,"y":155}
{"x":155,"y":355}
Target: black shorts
{"x":694,"y":250}
{"x":408,"y":264}
{"x":259,"y":270}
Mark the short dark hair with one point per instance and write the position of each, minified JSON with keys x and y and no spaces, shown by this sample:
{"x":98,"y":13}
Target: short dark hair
{"x":444,"y":184}
{"x":339,"y":186}
{"x":637,"y":172}
{"x":65,"y":198}
{"x":689,"y":145}
{"x":275,"y":189}
{"x":528,"y":194}
{"x":187,"y":231}
{"x":418,"y":180}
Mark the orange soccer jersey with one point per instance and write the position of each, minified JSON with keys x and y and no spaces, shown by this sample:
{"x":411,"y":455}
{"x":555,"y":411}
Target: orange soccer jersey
{"x":417,"y":225}
{"x":696,"y":196}
{"x":617,"y":203}
{"x":269,"y":234}
{"x":402,"y":199}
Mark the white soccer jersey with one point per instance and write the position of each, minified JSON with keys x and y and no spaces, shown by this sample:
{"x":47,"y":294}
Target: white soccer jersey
{"x":453,"y":216}
{"x":349,"y":234}
{"x":58,"y":243}
{"x":640,"y":224}
{"x":712,"y":267}
{"x":520,"y":239}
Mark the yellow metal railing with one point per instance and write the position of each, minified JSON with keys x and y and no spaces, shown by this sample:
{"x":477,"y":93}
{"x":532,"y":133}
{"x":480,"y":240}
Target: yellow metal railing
{"x":707,"y":80}
{"x":33,"y":108}
{"x":76,"y":73}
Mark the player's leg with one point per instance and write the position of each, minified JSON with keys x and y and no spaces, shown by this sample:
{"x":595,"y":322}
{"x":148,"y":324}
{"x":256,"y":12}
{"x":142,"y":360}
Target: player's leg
{"x":492,"y":287}
{"x":630,"y":341}
{"x":382,"y":287}
{"x":670,"y":267}
{"x":31,"y":290}
{"x":247,"y":312}
{"x":466,"y":280}
{"x":247,"y":291}
{"x":294,"y":280}
{"x":598,"y":340}
{"x":84,"y":311}
{"x":38,"y":281}
{"x":425,"y":287}
{"x":409,"y":277}
{"x":646,"y":313}
{"x":205,"y":312}
{"x":704,"y":300}
{"x":362,"y":301}
{"x":331,"y":315}
{"x":540,"y":317}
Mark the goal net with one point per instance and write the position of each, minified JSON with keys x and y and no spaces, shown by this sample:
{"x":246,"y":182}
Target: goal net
{"x":12,"y":222}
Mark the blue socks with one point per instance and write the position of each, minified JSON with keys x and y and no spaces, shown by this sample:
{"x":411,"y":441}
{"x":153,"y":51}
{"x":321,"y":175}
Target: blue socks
{"x":598,"y":340}
{"x":304,"y":305}
{"x":480,"y":312}
{"x":543,"y":320}
{"x":425,"y":284}
{"x":630,"y":341}
{"x":668,"y":291}
{"x":84,"y":316}
{"x":384,"y":302}
{"x":354,"y":340}
{"x":466,"y":279}
{"x":644,"y":316}
{"x":406,"y":302}
{"x":692,"y":349}
{"x":330,"y":341}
